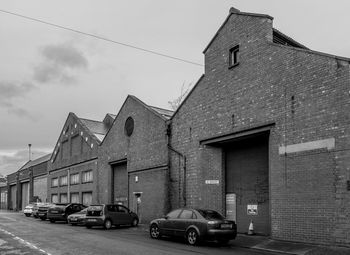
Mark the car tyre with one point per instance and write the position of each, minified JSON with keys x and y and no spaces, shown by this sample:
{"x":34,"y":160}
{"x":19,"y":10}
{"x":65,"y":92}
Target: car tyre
{"x":107,"y":224}
{"x":192,"y":237}
{"x":52,"y":221}
{"x":43,"y":218}
{"x":88,"y":226}
{"x":134,"y":222}
{"x":154,"y":231}
{"x":27,"y":214}
{"x":73,"y":224}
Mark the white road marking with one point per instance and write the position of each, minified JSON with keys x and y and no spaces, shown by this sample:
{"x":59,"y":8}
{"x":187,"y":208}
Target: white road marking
{"x":25,"y":242}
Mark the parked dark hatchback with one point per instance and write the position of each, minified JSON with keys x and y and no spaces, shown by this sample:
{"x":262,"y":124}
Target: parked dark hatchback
{"x":194,"y":225}
{"x":109,"y":215}
{"x":60,"y":212}
{"x":42,"y":211}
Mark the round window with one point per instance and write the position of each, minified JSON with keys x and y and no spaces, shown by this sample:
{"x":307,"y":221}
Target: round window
{"x":129,"y":126}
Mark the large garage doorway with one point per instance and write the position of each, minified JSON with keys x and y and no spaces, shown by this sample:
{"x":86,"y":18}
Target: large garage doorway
{"x":120,"y":184}
{"x":247,"y":180}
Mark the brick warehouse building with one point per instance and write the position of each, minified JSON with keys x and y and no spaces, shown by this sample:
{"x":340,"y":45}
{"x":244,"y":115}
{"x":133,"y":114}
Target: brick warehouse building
{"x":73,"y":165}
{"x":133,"y":160}
{"x":28,"y":184}
{"x":265,"y":135}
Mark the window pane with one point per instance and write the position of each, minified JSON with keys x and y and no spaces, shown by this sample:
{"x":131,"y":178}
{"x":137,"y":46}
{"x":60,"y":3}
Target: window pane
{"x":186,"y":214}
{"x":54,"y":198}
{"x":87,"y":198}
{"x":174,"y":214}
{"x":63,"y":198}
{"x":74,"y":197}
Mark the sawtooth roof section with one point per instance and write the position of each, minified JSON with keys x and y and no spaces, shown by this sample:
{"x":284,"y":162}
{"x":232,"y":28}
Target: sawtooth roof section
{"x":164,"y":112}
{"x":280,"y":38}
{"x":35,"y":162}
{"x":97,"y":128}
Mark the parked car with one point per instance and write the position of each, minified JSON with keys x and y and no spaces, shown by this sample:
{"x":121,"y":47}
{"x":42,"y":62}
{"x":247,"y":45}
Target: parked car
{"x":28,"y":210}
{"x":109,"y":215}
{"x":77,"y":218}
{"x":42,"y":210}
{"x":36,"y":208}
{"x":60,"y":212}
{"x":194,"y":225}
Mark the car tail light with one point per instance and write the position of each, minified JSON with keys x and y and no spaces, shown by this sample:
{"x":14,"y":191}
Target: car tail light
{"x":211,"y":222}
{"x":101,"y":213}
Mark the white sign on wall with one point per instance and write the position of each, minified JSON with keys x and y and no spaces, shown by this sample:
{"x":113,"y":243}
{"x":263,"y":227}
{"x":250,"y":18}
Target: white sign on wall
{"x":252,"y":209}
{"x":212,"y":182}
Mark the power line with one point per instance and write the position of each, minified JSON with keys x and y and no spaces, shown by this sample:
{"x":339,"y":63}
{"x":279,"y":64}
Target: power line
{"x":101,"y":38}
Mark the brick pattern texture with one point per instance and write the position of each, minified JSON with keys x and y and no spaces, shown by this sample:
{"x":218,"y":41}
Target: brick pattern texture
{"x":306,"y":95}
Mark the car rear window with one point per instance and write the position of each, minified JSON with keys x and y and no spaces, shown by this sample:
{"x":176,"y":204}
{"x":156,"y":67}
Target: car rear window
{"x":95,"y":208}
{"x":211,"y":215}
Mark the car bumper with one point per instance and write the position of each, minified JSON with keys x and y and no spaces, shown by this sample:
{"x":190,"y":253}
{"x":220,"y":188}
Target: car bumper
{"x":76,"y":220}
{"x":94,"y":221}
{"x":42,"y":215}
{"x":217,"y":234}
{"x":56,"y":217}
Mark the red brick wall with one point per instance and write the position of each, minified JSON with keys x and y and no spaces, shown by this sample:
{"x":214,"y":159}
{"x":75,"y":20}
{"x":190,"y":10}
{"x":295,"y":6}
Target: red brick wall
{"x":145,"y":150}
{"x":309,"y":200}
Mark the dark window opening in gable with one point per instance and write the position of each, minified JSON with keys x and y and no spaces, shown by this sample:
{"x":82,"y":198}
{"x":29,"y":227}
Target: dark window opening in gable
{"x":233,"y":56}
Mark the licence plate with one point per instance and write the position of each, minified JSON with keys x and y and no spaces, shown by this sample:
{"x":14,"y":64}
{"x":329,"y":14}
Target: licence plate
{"x":54,"y":211}
{"x":226,"y":226}
{"x":73,"y":219}
{"x":91,"y":220}
{"x":41,"y":214}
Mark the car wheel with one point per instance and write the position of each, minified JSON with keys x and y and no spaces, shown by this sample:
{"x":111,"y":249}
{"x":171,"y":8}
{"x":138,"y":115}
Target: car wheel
{"x":107,"y":224}
{"x":73,"y":224}
{"x":154,"y":231}
{"x":192,"y":237}
{"x":43,"y":218}
{"x":88,"y":226}
{"x":52,"y":221}
{"x":134,"y":222}
{"x":27,"y":214}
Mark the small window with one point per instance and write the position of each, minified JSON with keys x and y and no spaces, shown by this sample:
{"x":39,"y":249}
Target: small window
{"x":87,"y":176}
{"x":63,"y":198}
{"x":54,"y":198}
{"x":174,"y":214}
{"x":186,"y":214}
{"x":74,"y":179}
{"x":74,"y":197}
{"x":87,"y":198}
{"x":64,"y":180}
{"x":233,"y":56}
{"x":54,"y":182}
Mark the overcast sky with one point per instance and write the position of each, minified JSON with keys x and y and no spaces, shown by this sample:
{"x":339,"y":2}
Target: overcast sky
{"x":47,"y":72}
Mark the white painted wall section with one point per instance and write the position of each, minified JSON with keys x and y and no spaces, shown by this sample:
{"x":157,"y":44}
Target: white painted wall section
{"x":308,"y":146}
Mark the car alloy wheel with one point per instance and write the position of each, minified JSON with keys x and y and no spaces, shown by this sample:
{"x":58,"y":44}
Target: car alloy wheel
{"x":108,"y":224}
{"x":192,"y":237}
{"x":135,"y":222}
{"x":154,"y":231}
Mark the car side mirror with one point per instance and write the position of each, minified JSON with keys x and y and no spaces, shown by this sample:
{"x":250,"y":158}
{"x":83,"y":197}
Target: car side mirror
{"x":166,"y":217}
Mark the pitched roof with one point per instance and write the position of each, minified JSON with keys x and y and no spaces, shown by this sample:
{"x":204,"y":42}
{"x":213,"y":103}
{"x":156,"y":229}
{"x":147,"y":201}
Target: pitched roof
{"x":35,"y":162}
{"x":164,"y":112}
{"x":97,"y":128}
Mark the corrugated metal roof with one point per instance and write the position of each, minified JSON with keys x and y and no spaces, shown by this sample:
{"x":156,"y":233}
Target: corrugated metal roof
{"x":36,"y":161}
{"x":164,"y":112}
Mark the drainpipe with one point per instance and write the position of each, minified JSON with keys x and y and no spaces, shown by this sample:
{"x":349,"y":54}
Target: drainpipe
{"x":184,"y":167}
{"x":68,"y":186}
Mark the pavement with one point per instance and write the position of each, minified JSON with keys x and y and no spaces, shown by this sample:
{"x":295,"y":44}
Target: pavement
{"x":264,"y":243}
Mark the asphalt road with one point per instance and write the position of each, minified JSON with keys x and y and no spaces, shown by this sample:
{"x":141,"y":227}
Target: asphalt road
{"x":22,"y":235}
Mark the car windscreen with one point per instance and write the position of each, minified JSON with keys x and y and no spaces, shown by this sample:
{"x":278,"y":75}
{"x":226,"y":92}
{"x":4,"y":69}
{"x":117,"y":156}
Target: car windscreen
{"x":95,"y":208}
{"x":211,"y":215}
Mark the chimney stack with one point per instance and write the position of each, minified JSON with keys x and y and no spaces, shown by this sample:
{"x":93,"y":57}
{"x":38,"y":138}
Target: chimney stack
{"x":30,"y":151}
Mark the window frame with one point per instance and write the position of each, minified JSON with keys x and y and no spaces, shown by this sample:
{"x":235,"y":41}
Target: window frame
{"x":60,"y":181}
{"x":84,"y":173}
{"x":52,"y":182}
{"x":70,"y":179}
{"x":233,"y":58}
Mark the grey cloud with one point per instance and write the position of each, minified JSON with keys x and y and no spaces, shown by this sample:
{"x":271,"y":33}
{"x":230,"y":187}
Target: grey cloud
{"x":60,"y":64}
{"x":12,"y":90}
{"x":12,"y":163}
